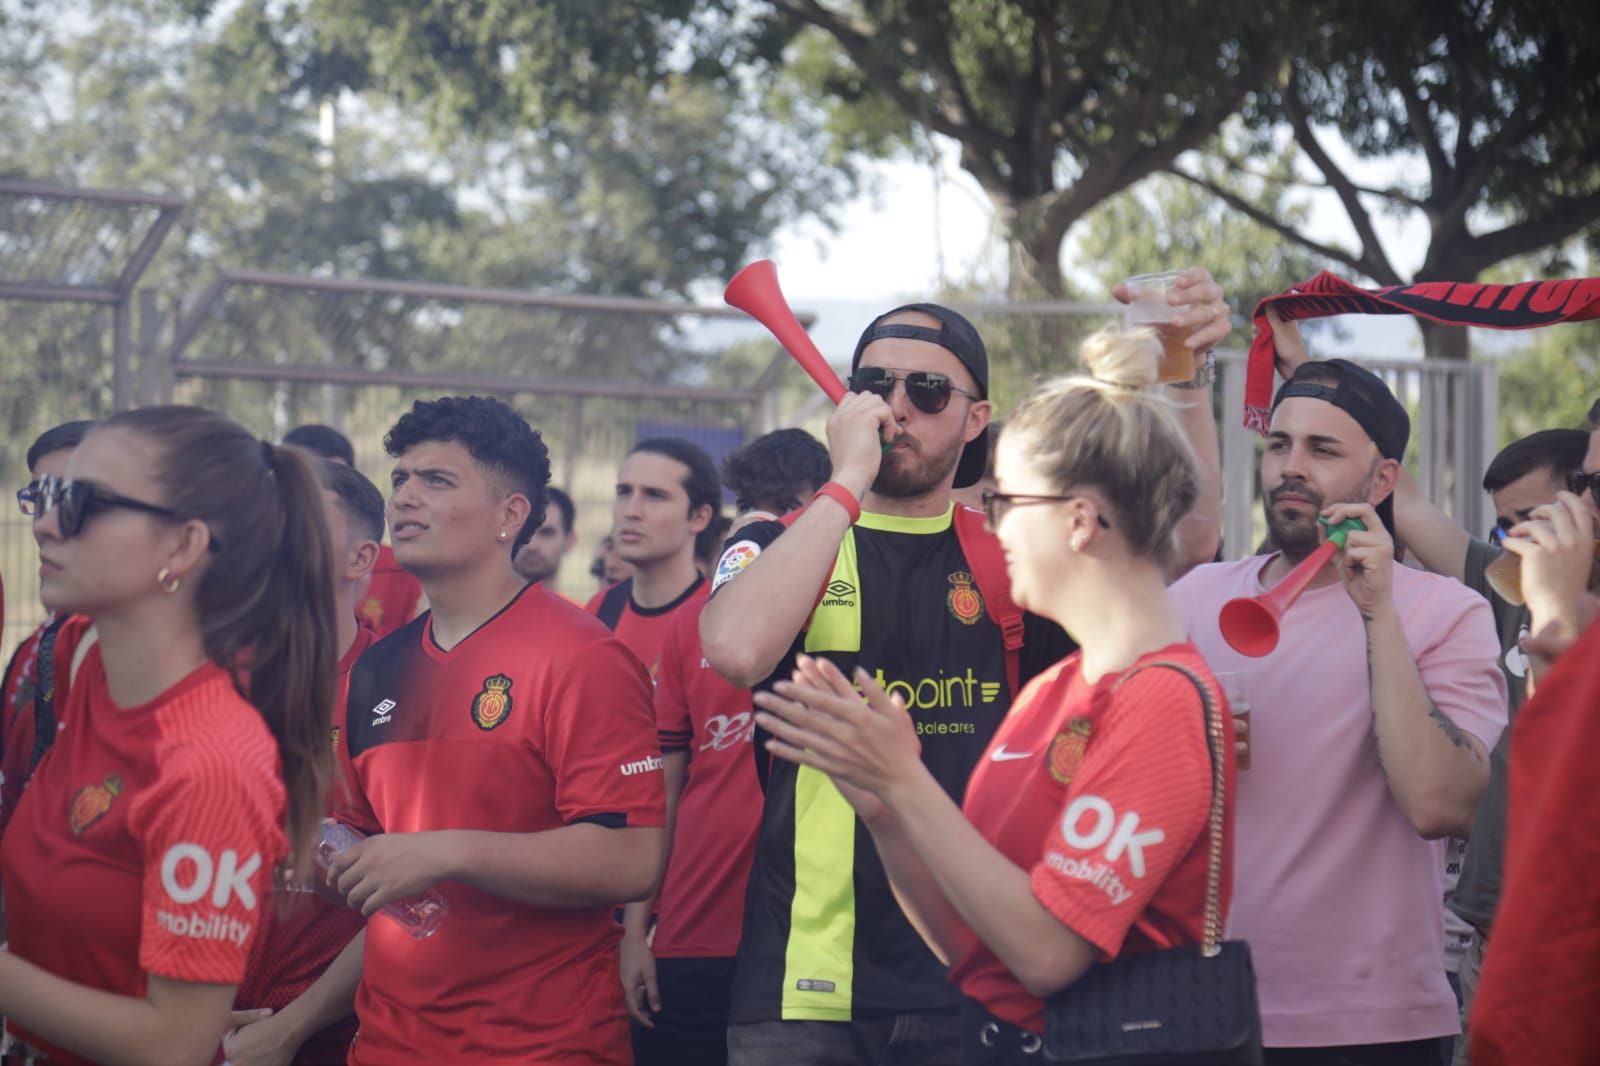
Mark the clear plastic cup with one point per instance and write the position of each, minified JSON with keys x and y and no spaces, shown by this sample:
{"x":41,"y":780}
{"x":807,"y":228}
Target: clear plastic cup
{"x":1235,"y":687}
{"x":1504,"y":572}
{"x":419,"y":915}
{"x":1148,"y":308}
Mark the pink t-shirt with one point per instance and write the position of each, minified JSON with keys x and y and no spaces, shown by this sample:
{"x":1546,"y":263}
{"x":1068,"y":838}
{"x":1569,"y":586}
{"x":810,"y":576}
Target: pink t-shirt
{"x":1339,"y":897}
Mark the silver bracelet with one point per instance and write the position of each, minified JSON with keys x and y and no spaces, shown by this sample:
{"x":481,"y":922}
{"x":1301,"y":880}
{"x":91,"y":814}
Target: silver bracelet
{"x":1204,"y":375}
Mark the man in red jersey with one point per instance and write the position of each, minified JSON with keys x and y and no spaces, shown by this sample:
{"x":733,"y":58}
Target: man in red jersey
{"x":392,"y":597}
{"x":297,"y":1002}
{"x":540,"y":558}
{"x":506,"y":746}
{"x":667,"y":492}
{"x":685,"y":972}
{"x":30,"y":694}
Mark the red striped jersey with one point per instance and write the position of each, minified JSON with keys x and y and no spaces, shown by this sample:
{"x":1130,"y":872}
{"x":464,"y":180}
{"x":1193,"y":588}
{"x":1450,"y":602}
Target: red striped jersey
{"x":147,"y":840}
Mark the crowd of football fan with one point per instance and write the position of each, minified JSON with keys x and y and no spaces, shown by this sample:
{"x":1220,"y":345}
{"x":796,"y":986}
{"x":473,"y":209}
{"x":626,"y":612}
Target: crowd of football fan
{"x":872,"y":771}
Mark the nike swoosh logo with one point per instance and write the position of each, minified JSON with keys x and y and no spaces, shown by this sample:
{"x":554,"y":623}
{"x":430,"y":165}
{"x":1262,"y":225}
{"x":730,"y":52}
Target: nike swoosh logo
{"x":1002,"y":755}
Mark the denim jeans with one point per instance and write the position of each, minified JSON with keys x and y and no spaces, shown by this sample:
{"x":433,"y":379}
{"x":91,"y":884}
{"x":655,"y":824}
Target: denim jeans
{"x":902,"y":1040}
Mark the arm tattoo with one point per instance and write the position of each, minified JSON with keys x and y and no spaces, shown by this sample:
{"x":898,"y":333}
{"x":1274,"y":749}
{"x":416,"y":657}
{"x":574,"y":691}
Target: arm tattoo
{"x":1366,"y":624}
{"x":1451,"y":730}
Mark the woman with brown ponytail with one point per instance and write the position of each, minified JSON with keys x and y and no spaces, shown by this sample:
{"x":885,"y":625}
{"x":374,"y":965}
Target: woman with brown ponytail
{"x":139,"y":861}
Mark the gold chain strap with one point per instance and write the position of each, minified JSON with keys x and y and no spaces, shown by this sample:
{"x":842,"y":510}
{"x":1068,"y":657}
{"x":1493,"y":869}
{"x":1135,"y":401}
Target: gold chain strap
{"x":1211,"y":936}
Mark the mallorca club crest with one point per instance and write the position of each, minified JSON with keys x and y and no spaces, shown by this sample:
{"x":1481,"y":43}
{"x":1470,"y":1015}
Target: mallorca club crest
{"x":1066,"y":751}
{"x":91,"y":803}
{"x":963,"y":599}
{"x":493,"y":705}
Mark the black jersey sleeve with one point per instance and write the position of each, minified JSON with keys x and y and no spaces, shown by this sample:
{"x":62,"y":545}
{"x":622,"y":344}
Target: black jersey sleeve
{"x":743,"y":548}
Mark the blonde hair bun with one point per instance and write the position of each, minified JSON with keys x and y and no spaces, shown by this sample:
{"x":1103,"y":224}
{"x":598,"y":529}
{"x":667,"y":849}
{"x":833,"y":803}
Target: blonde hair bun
{"x":1129,"y":359}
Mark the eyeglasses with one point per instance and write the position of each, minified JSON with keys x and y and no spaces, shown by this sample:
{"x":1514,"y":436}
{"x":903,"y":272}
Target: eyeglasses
{"x":928,"y":392}
{"x":78,"y":500}
{"x":1579,"y":483}
{"x":997,"y":504}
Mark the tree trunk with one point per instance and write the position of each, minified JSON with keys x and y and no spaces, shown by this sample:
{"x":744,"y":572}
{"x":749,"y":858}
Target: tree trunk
{"x":1034,"y":253}
{"x":1444,"y":342}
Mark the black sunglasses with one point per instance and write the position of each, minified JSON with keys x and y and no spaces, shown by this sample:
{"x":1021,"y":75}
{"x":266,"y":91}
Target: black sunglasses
{"x":28,"y":498}
{"x":997,"y":504}
{"x":928,"y":392}
{"x":78,"y":500}
{"x":1579,"y":483}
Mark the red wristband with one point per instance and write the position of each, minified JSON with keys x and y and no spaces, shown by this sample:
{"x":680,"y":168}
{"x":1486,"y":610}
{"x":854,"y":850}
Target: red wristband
{"x":841,"y":495}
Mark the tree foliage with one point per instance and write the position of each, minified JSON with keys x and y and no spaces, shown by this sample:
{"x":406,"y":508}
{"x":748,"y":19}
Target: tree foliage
{"x":1056,"y":107}
{"x":1496,"y":102}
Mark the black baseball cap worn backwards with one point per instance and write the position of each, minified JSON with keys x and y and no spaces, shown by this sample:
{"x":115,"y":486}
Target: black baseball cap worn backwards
{"x":960,"y":338}
{"x":1362,"y":395}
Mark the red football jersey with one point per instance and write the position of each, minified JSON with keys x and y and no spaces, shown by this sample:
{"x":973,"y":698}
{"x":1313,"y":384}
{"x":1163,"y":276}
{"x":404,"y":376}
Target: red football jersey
{"x":701,"y":906}
{"x":1102,"y":791}
{"x":392,"y":595}
{"x":17,"y":706}
{"x":147,"y":840}
{"x":537,"y":720}
{"x":302,"y":933}
{"x":643,"y":629}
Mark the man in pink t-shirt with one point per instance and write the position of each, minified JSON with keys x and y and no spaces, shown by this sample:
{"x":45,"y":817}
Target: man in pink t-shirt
{"x":1370,"y":728}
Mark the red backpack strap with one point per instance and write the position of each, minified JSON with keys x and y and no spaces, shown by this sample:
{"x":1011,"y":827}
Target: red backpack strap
{"x":988,"y":562}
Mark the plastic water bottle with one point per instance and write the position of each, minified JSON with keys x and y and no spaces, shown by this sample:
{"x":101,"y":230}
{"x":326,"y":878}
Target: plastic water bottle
{"x":419,"y":915}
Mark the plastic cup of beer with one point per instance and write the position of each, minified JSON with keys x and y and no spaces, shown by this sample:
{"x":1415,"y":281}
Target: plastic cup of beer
{"x":1235,"y":686}
{"x":1148,"y":309}
{"x":1504,"y":572}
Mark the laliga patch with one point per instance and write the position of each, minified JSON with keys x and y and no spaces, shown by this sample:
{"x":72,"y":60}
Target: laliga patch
{"x":963,"y":599}
{"x":493,"y":705}
{"x":91,"y":802}
{"x":736,"y":558}
{"x":1066,"y":750}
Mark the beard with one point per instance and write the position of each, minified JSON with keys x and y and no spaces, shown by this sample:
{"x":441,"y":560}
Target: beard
{"x":1297,"y":535}
{"x":907,"y":471}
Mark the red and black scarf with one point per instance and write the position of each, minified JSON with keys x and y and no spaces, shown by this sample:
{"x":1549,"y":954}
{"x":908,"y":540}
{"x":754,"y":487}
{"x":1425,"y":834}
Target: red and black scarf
{"x":1526,"y":305}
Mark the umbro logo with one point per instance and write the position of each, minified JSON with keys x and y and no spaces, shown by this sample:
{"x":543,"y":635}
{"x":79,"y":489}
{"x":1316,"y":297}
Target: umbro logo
{"x":839,"y":593}
{"x":381,"y":713}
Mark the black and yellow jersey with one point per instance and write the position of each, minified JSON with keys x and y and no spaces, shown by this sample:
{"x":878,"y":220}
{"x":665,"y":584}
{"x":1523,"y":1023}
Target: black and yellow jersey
{"x":824,"y":939}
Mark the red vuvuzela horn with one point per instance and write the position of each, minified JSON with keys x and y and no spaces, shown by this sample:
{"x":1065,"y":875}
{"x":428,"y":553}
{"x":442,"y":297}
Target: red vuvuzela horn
{"x":1250,"y":623}
{"x":754,"y":290}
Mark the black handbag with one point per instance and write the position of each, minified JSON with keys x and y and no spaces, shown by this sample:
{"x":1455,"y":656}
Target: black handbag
{"x":1194,"y":1004}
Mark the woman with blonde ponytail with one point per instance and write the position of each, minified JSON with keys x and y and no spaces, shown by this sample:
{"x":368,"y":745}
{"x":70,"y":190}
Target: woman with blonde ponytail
{"x":139,"y":861}
{"x":1082,"y":835}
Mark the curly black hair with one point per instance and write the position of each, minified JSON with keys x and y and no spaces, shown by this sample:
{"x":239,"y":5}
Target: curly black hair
{"x":772,"y":464}
{"x":499,"y":439}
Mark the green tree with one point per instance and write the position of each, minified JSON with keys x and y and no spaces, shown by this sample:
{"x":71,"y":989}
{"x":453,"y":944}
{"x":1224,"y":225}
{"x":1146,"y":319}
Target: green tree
{"x":1550,"y":381}
{"x":1056,"y":108}
{"x":1165,"y":223}
{"x":1496,"y":101}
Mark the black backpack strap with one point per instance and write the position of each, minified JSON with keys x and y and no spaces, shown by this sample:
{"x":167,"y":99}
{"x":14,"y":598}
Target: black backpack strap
{"x":44,"y":693}
{"x":613,"y":603}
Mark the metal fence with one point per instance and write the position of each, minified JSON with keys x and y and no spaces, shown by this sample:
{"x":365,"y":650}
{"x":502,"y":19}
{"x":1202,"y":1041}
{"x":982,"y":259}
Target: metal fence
{"x":593,"y":374}
{"x":274,"y":351}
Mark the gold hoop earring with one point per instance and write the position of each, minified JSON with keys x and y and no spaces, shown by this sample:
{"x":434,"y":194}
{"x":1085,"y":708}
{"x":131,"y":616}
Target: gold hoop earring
{"x":168,"y":581}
